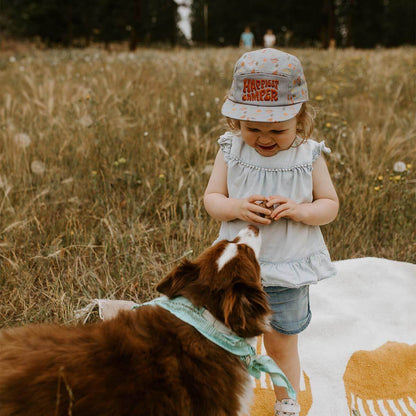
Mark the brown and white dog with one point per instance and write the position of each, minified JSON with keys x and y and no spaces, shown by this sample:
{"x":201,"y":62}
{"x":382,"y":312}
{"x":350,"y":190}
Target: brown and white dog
{"x":147,"y":361}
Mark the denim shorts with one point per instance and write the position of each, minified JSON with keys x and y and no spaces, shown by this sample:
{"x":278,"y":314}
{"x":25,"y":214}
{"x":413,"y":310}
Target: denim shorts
{"x":291,"y":309}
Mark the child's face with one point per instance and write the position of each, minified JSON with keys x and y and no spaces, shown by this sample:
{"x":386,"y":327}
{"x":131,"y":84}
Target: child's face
{"x":269,"y":138}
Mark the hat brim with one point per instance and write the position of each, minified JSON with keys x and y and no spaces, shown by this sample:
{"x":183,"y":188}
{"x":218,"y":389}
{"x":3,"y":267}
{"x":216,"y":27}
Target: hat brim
{"x":259,"y":113}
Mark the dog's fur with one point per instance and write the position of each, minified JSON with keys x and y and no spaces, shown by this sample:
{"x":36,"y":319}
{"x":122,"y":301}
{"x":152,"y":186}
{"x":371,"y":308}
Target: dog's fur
{"x":143,"y":362}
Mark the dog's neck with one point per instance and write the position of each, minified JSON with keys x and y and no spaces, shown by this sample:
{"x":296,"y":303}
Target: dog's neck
{"x":221,"y":327}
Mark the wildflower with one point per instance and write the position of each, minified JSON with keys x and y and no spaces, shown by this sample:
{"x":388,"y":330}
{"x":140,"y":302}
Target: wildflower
{"x":12,"y":59}
{"x":217,"y":100}
{"x":399,"y":167}
{"x":122,"y":161}
{"x":328,"y":125}
{"x":37,"y":167}
{"x":319,"y":98}
{"x":376,"y":188}
{"x":191,"y":93}
{"x":409,"y":166}
{"x":146,"y":133}
{"x":161,"y":176}
{"x":207,"y":114}
{"x":87,"y":97}
{"x":397,"y":178}
{"x":380,"y":178}
{"x":93,"y":173}
{"x":22,"y":140}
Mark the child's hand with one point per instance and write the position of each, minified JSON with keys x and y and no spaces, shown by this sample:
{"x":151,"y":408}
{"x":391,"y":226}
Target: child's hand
{"x":246,"y":209}
{"x":286,"y":208}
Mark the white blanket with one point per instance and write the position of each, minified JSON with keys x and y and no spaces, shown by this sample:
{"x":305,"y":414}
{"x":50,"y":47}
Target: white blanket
{"x":358,"y":354}
{"x":370,"y":303}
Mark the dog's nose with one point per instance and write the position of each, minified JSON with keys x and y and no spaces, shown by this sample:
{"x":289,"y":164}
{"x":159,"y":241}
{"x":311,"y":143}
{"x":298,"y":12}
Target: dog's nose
{"x":254,"y":229}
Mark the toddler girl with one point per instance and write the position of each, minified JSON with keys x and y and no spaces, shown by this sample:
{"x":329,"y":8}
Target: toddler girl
{"x":268,"y":157}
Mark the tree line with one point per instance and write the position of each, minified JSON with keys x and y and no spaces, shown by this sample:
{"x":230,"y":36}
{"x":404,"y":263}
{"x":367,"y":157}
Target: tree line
{"x":358,"y":23}
{"x":80,"y":22}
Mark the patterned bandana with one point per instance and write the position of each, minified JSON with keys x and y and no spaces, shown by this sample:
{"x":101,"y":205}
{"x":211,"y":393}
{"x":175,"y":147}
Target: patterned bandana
{"x":205,"y":323}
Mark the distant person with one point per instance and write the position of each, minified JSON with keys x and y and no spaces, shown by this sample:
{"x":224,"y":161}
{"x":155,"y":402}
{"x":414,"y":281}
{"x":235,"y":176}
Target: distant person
{"x":247,"y":39}
{"x":268,"y":156}
{"x":269,"y":39}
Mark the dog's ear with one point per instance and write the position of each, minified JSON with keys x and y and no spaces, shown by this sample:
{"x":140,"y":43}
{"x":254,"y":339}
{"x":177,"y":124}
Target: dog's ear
{"x":246,"y":309}
{"x":175,"y":282}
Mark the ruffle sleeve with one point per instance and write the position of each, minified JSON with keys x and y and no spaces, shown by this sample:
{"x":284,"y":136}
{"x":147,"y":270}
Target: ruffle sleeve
{"x":225,"y":142}
{"x":318,"y":149}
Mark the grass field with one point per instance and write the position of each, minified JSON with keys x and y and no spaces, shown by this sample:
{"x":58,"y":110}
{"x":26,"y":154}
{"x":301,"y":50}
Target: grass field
{"x":104,"y":158}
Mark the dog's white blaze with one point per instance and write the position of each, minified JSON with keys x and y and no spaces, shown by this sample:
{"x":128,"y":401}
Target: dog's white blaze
{"x":228,"y":254}
{"x":247,"y":236}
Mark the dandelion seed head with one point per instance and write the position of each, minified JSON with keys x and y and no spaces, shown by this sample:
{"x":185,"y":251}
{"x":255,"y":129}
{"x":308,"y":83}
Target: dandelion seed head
{"x":3,"y":182}
{"x":399,"y":167}
{"x":22,"y":140}
{"x":85,"y":121}
{"x":37,"y":167}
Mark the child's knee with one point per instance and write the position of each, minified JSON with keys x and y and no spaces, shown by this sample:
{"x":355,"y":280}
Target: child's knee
{"x":280,"y":345}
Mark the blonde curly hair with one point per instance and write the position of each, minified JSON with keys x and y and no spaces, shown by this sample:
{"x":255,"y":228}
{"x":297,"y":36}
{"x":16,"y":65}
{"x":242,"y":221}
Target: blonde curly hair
{"x":304,"y":122}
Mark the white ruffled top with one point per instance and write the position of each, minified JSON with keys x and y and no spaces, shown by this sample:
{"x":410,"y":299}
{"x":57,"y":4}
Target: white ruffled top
{"x":292,"y":254}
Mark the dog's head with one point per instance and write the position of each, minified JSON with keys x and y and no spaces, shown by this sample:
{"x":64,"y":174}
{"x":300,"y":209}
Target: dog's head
{"x":225,"y":279}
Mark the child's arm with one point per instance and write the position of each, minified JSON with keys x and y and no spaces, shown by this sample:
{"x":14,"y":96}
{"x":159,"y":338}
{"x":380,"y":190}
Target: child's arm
{"x":324,"y":207}
{"x":221,"y":207}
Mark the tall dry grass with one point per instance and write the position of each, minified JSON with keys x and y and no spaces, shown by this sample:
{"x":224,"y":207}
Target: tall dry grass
{"x":104,"y":159}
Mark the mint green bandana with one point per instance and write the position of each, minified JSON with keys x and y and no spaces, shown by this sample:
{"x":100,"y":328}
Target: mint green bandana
{"x":222,"y":336}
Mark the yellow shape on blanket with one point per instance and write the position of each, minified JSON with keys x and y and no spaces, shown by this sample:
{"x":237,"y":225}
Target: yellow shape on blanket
{"x":264,"y":398}
{"x":383,"y":377}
